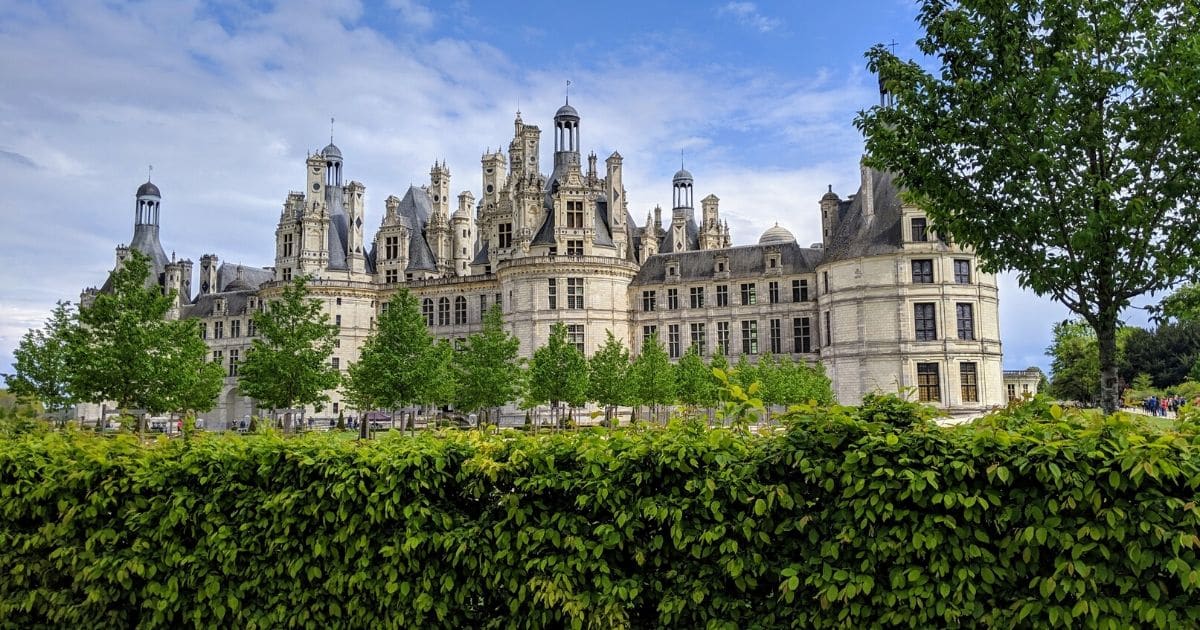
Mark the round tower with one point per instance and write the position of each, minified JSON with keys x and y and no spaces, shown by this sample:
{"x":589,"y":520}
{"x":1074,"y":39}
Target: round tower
{"x":462,"y":230}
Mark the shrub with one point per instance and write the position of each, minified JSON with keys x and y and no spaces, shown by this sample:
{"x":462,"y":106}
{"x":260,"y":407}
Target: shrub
{"x":831,"y":521}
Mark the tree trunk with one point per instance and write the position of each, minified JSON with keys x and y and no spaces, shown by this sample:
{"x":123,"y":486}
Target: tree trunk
{"x":1106,"y":337}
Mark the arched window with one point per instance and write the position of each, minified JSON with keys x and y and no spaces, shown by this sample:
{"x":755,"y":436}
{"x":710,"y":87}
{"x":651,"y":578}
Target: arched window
{"x":427,"y":311}
{"x":443,"y":311}
{"x":460,"y":310}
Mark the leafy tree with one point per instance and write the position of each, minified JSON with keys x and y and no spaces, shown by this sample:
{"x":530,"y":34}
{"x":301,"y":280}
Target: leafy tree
{"x":558,"y":373}
{"x":1166,"y":353}
{"x":487,"y":369}
{"x":1181,"y":305}
{"x":744,"y":373}
{"x":786,"y":382}
{"x":288,"y":364}
{"x":1075,"y":362}
{"x":1058,"y":139}
{"x":42,"y":365}
{"x":653,"y":376}
{"x":126,"y":351}
{"x":694,"y":381}
{"x":400,"y":365}
{"x":608,"y":376}
{"x":721,"y":363}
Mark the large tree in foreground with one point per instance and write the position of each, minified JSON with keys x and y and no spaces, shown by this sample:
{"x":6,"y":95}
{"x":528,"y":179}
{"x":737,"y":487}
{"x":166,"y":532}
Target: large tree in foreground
{"x":558,"y":373}
{"x":288,"y":364}
{"x":608,"y":377}
{"x":487,"y":370}
{"x":1057,"y":138}
{"x":41,"y":364}
{"x":126,"y":351}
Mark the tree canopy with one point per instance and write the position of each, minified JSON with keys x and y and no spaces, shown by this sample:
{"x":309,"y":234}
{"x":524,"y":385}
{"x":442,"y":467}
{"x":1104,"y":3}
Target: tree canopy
{"x":1057,"y":139}
{"x":126,"y":351}
{"x":288,"y":363}
{"x":400,"y":364}
{"x":558,"y":372}
{"x":608,"y":375}
{"x":653,"y":376}
{"x":487,"y":368}
{"x":41,"y":363}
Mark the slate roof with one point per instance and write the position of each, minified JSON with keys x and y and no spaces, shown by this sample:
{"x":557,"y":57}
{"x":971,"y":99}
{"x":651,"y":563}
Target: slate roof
{"x":252,"y":278}
{"x":692,"y":231}
{"x":337,"y":227}
{"x":747,"y":260}
{"x":858,"y":236}
{"x":482,"y":257}
{"x":235,"y":304}
{"x":416,"y":207}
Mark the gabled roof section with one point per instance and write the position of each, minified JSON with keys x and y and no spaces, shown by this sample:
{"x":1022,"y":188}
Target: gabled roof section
{"x":860,"y":235}
{"x":416,"y":207}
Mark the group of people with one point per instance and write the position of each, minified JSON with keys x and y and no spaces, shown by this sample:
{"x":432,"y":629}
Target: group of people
{"x":1156,"y":406}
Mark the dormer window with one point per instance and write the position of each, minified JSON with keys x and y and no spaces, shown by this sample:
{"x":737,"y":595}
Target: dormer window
{"x":720,"y":267}
{"x":673,"y":270}
{"x":920,"y":230}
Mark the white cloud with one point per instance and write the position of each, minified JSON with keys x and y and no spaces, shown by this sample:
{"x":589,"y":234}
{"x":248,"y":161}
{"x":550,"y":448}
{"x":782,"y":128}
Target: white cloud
{"x":747,"y":14}
{"x":414,"y":13}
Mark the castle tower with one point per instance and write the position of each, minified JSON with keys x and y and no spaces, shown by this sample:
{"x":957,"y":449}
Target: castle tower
{"x":829,"y":215}
{"x":313,"y":253}
{"x":437,"y":231}
{"x":711,"y":236}
{"x":614,"y":191}
{"x":391,"y":244}
{"x":208,"y":274}
{"x":462,"y":230}
{"x":650,"y":233}
{"x":566,"y":137}
{"x":682,"y":212}
{"x":356,"y":259}
{"x":147,"y":203}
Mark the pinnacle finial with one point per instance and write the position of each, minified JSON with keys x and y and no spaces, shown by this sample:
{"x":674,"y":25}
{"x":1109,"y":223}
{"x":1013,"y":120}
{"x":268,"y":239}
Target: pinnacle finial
{"x":331,"y":130}
{"x":568,"y":91}
{"x":149,"y":171}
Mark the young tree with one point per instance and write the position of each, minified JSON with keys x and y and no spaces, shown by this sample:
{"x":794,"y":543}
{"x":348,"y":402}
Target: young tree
{"x":288,"y":364}
{"x":124,"y":350}
{"x":41,"y":363}
{"x":694,"y":381}
{"x":558,"y":373}
{"x":487,"y":368}
{"x":1075,"y":362}
{"x":400,"y":365}
{"x":1058,"y":139}
{"x":608,"y":377}
{"x":653,"y":377}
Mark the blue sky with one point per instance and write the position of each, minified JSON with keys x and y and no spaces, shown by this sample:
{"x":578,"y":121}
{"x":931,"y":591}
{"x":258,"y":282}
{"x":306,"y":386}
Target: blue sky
{"x":225,"y":99}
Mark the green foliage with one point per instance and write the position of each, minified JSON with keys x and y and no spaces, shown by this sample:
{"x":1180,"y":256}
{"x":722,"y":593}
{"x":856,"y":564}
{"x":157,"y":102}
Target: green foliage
{"x":487,"y":369}
{"x":124,"y":350}
{"x":694,"y":380}
{"x":608,"y":376}
{"x":288,"y":364}
{"x":786,"y":382}
{"x":1166,"y":353}
{"x":1182,"y":305}
{"x":400,"y":365}
{"x":1072,"y":520}
{"x":1056,"y":139}
{"x":41,"y":363}
{"x":894,"y":411}
{"x":1075,"y":363}
{"x":653,"y":376}
{"x":558,"y":372}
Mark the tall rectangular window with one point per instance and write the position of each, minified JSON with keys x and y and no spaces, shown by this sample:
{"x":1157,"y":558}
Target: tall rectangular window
{"x":288,"y":245}
{"x":251,"y":329}
{"x":336,"y":363}
{"x":773,"y":292}
{"x":922,"y":271}
{"x":828,"y":331}
{"x":696,"y":294}
{"x":672,"y":299}
{"x":722,"y":295}
{"x":574,"y":248}
{"x":552,"y":293}
{"x":217,"y":356}
{"x":799,"y":290}
{"x":801,"y":335}
{"x":460,"y":310}
{"x":962,"y":272}
{"x":965,"y":314}
{"x":649,"y":301}
{"x":647,"y":333}
{"x":969,"y":379}
{"x":749,"y":295}
{"x":235,"y":328}
{"x":204,"y":330}
{"x":825,"y":278}
{"x":929,"y":384}
{"x":673,"y":340}
{"x":575,"y":293}
{"x":925,"y":321}
{"x":504,"y":235}
{"x":575,"y":214}
{"x":233,"y":362}
{"x":775,"y":336}
{"x":427,"y":311}
{"x":391,"y":276}
{"x":699,"y":339}
{"x":218,"y":330}
{"x":287,"y":274}
{"x":391,"y":247}
{"x":723,"y":338}
{"x":482,"y":306}
{"x":575,"y":336}
{"x":337,"y":321}
{"x":750,"y":336}
{"x":443,"y":312}
{"x":920,"y":231}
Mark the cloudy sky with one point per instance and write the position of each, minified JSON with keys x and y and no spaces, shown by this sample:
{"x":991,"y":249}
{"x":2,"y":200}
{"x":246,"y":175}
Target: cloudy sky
{"x":225,"y":99}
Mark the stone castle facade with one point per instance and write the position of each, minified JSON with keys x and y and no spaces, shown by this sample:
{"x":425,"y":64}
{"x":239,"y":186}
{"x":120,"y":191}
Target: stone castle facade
{"x":882,"y":302}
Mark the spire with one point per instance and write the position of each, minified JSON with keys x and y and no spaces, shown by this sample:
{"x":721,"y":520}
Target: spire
{"x":149,"y":171}
{"x":331,"y":130}
{"x":568,"y":95}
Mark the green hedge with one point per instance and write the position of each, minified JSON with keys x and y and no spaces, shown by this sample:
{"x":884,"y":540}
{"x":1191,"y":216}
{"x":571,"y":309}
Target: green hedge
{"x":1030,"y":518}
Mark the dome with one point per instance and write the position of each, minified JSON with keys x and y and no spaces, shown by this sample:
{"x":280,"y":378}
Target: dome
{"x":566,"y":111}
{"x":682,"y":174}
{"x":776,"y":234}
{"x":830,"y":195}
{"x":148,"y":189}
{"x":332,"y":151}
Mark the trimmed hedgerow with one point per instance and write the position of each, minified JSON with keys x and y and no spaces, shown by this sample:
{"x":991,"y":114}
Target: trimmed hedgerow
{"x":1032,"y":517}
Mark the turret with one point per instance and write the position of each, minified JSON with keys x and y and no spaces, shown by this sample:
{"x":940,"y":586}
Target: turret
{"x":566,"y":137}
{"x":710,"y":226}
{"x":208,"y":274}
{"x":356,"y":258}
{"x":614,"y":191}
{"x":829,"y":215}
{"x":391,"y":244}
{"x":463,"y":234}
